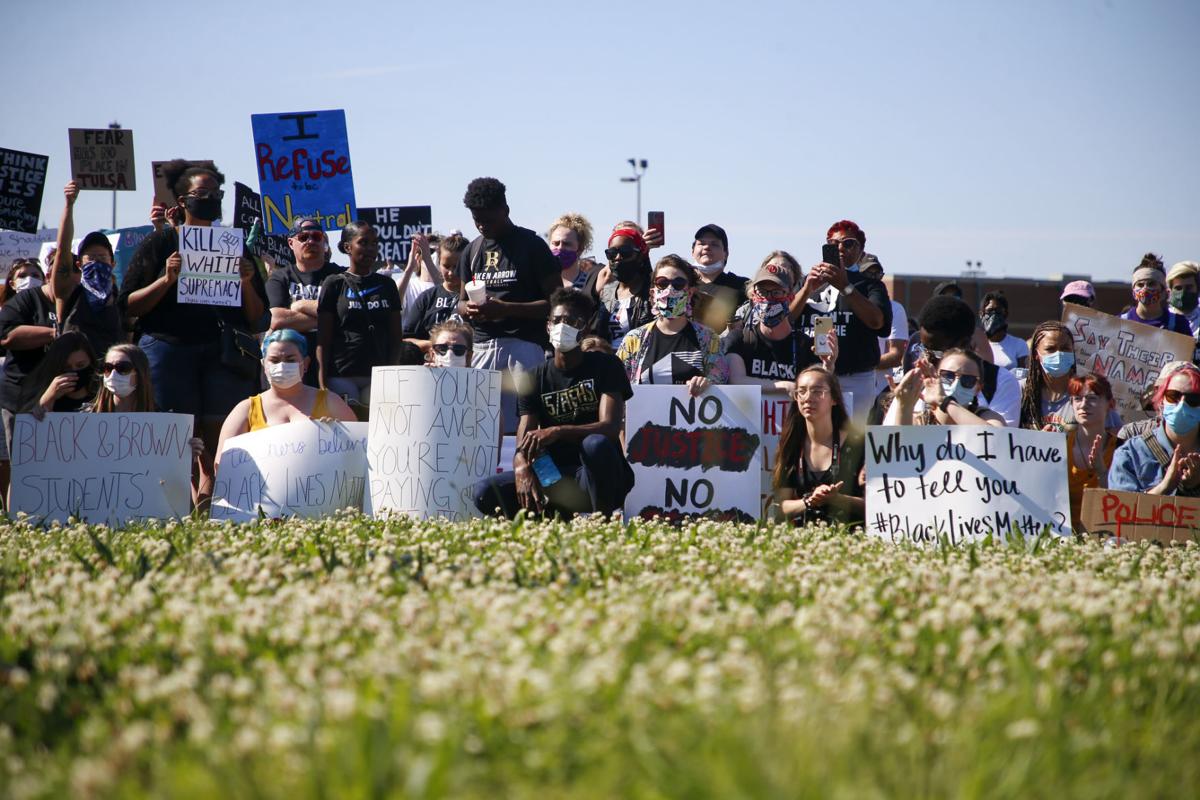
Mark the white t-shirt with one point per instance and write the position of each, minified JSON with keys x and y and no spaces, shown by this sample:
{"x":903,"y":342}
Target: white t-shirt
{"x":899,"y":331}
{"x":1007,"y":352}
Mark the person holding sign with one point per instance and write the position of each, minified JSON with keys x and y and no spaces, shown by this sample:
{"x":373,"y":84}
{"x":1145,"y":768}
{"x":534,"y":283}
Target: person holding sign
{"x":450,"y":344}
{"x":1150,"y":298}
{"x":285,"y":361}
{"x":672,"y":349}
{"x":358,"y":319}
{"x":1090,"y":446}
{"x":949,"y":393}
{"x":1166,"y":459}
{"x":126,"y":386}
{"x":820,"y":456}
{"x":85,"y":290}
{"x":568,"y":458}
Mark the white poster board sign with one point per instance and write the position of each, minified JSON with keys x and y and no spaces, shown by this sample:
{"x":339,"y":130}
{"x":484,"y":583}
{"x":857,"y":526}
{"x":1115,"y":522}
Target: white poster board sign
{"x":211,"y":269}
{"x":111,"y":469}
{"x":694,"y":457}
{"x":435,"y":433}
{"x":962,"y":483}
{"x":301,"y":469}
{"x":14,"y":244}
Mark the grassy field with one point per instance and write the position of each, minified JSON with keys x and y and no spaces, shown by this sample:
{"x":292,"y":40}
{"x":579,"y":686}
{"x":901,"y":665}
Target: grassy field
{"x":356,"y":658}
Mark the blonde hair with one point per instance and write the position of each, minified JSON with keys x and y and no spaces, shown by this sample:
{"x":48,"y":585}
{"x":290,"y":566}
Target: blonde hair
{"x":577,"y":223}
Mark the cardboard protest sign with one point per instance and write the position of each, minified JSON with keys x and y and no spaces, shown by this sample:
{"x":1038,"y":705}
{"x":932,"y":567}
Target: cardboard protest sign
{"x":1133,"y":517}
{"x":247,"y":209}
{"x":301,"y":469}
{"x":102,"y":158}
{"x":694,"y":457}
{"x":14,"y":244}
{"x":1130,"y":354}
{"x":22,"y":179}
{"x":303,"y":163}
{"x":163,"y":194}
{"x":111,"y":469}
{"x":211,"y":265}
{"x":963,"y":483}
{"x":435,"y":433}
{"x":396,"y":226}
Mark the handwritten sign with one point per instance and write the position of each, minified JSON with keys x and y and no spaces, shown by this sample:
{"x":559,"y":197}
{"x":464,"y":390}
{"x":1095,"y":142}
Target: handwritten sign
{"x":211,"y":264}
{"x":396,"y":226}
{"x":163,"y":193}
{"x":247,"y":209}
{"x":1130,"y":354}
{"x":22,"y":179}
{"x":301,"y":469}
{"x":1133,"y":517}
{"x":111,"y":469}
{"x":963,"y":483}
{"x":14,"y":244}
{"x":694,"y":457}
{"x":776,"y":406}
{"x":435,"y":433}
{"x":303,"y":163}
{"x":102,"y":158}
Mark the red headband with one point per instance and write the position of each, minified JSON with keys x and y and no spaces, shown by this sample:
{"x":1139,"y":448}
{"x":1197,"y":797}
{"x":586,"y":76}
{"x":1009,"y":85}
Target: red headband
{"x":631,"y":233}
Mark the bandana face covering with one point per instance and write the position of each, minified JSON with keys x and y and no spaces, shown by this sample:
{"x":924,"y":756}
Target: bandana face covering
{"x":97,"y":283}
{"x":670,"y":303}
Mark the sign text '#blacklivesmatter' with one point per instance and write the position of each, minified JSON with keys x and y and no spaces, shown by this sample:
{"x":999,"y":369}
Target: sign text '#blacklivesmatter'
{"x":303,"y":161}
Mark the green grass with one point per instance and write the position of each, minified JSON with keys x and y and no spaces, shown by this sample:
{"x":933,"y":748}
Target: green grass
{"x":358,"y":658}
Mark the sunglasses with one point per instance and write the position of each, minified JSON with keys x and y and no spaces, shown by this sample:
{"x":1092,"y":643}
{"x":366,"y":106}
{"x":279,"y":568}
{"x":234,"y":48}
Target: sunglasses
{"x":309,"y":236}
{"x":965,"y":381}
{"x":121,"y":367}
{"x":843,"y":242}
{"x":1173,"y":396}
{"x":670,"y":283}
{"x":623,"y":252}
{"x":457,"y":349}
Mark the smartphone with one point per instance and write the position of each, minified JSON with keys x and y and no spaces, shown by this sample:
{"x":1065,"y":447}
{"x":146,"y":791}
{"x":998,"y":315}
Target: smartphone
{"x":831,"y":255}
{"x":546,"y":471}
{"x":656,"y":220}
{"x":822,"y":327}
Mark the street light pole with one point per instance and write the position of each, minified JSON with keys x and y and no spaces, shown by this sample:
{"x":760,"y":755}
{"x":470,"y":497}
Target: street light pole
{"x":114,"y":125}
{"x":639,"y":169}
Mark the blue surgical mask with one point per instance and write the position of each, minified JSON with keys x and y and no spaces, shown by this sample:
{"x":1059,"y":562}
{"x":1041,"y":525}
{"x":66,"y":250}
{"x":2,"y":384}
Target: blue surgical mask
{"x":1058,"y":364}
{"x":1181,"y":418}
{"x":962,"y":395}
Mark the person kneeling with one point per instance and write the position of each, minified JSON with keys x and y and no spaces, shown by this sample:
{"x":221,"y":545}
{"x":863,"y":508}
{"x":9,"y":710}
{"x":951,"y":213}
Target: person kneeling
{"x":568,"y":458}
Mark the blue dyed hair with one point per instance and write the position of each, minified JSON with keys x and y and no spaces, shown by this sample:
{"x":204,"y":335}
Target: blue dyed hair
{"x":286,"y":335}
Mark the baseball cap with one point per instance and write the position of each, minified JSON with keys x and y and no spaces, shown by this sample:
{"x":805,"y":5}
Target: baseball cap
{"x":776,"y":273}
{"x":1078,"y":289}
{"x":94,"y":238}
{"x":715,"y":230}
{"x":305,"y":224}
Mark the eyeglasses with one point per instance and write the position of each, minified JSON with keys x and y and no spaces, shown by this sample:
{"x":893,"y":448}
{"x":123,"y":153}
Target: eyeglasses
{"x":120,"y":367}
{"x":965,"y":381}
{"x":932,"y":356}
{"x":1086,"y":398}
{"x":309,"y":236}
{"x":457,"y":349}
{"x":204,"y":194}
{"x":670,"y":283}
{"x":625,"y":251}
{"x":816,"y":392}
{"x":1173,"y":396}
{"x":574,"y":322}
{"x":771,"y":294}
{"x":843,"y":242}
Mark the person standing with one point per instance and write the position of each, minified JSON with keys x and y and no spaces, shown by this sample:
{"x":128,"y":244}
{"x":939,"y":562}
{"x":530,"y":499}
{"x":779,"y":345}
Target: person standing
{"x":1150,"y":298}
{"x":719,"y":292}
{"x":892,"y":346}
{"x":1008,"y":351}
{"x":1184,"y":286}
{"x":570,"y":236}
{"x":292,"y":291}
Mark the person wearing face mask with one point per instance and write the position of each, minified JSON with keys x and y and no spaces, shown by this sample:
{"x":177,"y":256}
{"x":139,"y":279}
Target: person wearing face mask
{"x":1078,"y":293}
{"x":1150,"y":296}
{"x":570,"y":236}
{"x":438,"y":303}
{"x":1165,"y":459}
{"x":65,"y":380}
{"x":719,"y":293}
{"x":945,"y":394}
{"x":23,"y":273}
{"x":1184,"y":286}
{"x":769,"y":351}
{"x":28,"y":324}
{"x":285,"y":360}
{"x":195,"y":359}
{"x":673,"y":349}
{"x":1008,"y":351}
{"x":450,"y":344}
{"x":568,"y":459}
{"x":622,"y":301}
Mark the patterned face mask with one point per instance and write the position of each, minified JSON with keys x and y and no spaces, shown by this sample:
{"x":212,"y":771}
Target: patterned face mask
{"x":1148,"y":295}
{"x":670,"y":303}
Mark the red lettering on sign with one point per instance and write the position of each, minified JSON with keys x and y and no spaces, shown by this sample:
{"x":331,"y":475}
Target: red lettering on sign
{"x":299,"y":165}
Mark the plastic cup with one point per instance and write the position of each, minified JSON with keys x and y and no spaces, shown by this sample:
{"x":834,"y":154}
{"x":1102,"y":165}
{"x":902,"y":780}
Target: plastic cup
{"x":477,"y":292}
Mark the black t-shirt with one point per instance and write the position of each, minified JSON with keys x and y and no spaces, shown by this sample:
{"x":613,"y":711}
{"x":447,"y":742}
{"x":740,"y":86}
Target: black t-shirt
{"x":515,"y":268}
{"x":362,"y":307}
{"x":170,"y":320}
{"x":572,"y":397}
{"x":432,"y":306}
{"x":771,"y":360}
{"x":286,"y":284}
{"x":28,"y":307}
{"x":672,"y":358}
{"x":858,"y":345}
{"x":715,"y":303}
{"x":103,"y":327}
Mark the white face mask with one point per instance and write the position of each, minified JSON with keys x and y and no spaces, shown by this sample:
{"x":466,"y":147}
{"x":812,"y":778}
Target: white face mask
{"x":711,"y":269}
{"x":27,"y":282}
{"x":448,"y":359}
{"x":120,"y":385}
{"x":283,"y":374}
{"x":563,"y":337}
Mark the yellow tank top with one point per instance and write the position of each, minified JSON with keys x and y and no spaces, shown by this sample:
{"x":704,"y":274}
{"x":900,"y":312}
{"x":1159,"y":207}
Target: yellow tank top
{"x":258,"y":420}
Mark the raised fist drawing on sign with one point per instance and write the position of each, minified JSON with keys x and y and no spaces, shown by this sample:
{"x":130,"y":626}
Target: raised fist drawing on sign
{"x":230,"y":244}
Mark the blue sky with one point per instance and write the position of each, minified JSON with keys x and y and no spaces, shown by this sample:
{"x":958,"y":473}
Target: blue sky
{"x":1036,"y":137}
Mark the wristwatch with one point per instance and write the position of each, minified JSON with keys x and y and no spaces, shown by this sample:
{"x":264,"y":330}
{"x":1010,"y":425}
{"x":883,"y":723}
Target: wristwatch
{"x":944,"y":406}
{"x":849,"y":290}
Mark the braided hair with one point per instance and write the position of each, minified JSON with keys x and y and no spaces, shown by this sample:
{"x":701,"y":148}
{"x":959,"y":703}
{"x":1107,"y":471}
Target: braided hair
{"x":1035,"y":381}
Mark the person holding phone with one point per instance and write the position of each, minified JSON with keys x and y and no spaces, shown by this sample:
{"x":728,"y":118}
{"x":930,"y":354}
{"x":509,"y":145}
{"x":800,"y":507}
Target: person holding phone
{"x":860,"y":308}
{"x":568,"y":459}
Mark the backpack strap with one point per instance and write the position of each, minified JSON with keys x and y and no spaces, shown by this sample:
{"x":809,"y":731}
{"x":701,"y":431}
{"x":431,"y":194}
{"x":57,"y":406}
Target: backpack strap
{"x":1156,"y":449}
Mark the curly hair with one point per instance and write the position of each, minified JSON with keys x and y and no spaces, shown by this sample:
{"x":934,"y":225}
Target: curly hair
{"x":485,"y":193}
{"x":1152,"y":261}
{"x":179,"y":172}
{"x":577,"y":223}
{"x":1035,"y":381}
{"x":577,"y":301}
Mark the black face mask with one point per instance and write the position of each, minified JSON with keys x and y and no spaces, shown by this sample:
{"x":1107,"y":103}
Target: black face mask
{"x":994,"y":323}
{"x":205,"y":208}
{"x":83,"y":377}
{"x":627,"y":272}
{"x":1185,"y":299}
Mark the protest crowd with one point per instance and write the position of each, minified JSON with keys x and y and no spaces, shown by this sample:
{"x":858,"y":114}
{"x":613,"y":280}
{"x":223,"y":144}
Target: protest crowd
{"x":574,"y":338}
